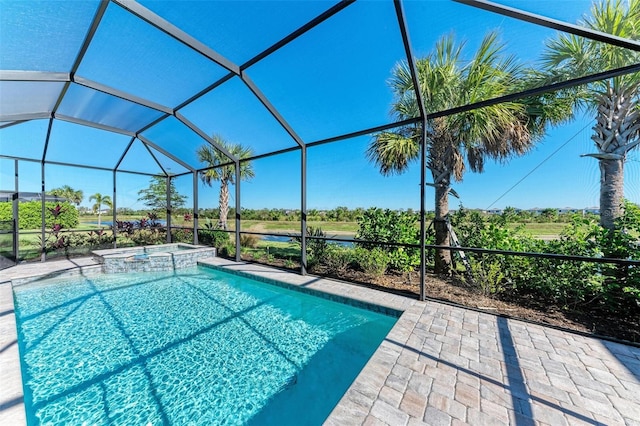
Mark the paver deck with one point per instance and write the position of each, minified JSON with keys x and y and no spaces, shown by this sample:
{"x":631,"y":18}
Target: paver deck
{"x":439,"y":365}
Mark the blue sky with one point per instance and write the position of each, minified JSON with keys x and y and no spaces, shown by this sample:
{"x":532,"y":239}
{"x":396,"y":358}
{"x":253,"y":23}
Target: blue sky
{"x":330,"y":81}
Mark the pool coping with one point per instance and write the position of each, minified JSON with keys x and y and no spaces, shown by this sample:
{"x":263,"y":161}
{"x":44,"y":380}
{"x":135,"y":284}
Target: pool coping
{"x":439,"y":364}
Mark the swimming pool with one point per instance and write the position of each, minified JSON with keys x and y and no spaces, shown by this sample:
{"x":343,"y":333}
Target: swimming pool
{"x":195,"y":346}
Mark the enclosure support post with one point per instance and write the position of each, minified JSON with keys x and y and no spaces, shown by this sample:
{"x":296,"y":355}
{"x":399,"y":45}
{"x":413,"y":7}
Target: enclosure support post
{"x":168,"y":209}
{"x":423,"y":172}
{"x":43,"y":256}
{"x":238,"y":211}
{"x":16,"y":214}
{"x":303,"y":211}
{"x":113,"y":211}
{"x":195,"y":207}
{"x":404,"y":31}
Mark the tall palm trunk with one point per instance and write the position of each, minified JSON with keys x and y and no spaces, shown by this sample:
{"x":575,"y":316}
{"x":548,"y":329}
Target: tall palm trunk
{"x":224,"y":203}
{"x":615,"y":134}
{"x":611,"y":191}
{"x":442,"y":163}
{"x":443,"y":257}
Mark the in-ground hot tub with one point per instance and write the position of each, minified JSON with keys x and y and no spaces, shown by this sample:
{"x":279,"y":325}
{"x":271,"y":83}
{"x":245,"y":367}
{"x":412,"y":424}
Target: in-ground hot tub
{"x":163,"y":257}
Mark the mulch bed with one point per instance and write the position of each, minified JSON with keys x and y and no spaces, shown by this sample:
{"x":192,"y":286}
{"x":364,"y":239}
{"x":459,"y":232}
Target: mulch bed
{"x":451,"y":290}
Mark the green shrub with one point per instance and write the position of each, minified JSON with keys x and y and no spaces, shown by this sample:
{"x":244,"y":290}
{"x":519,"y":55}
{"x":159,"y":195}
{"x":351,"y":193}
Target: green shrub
{"x":488,"y":275}
{"x":213,"y":236}
{"x":316,"y":248}
{"x":337,"y":258}
{"x":182,"y":235}
{"x":99,"y":238}
{"x":227,"y":250}
{"x":563,"y":283}
{"x":391,"y":226}
{"x":249,"y":240}
{"x":372,"y":262}
{"x":30,"y":214}
{"x":621,"y":286}
{"x":149,"y":237}
{"x":6,"y":211}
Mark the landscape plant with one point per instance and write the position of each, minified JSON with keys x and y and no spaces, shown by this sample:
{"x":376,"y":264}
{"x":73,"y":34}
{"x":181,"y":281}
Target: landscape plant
{"x":30,"y":214}
{"x":222,"y":169}
{"x":373,"y":262}
{"x":68,"y":193}
{"x":146,"y":231}
{"x":337,"y":259}
{"x":316,"y":246}
{"x":212,"y":236}
{"x":100,"y":200}
{"x":566,"y":284}
{"x":449,"y":79}
{"x":249,"y":240}
{"x":55,"y":240}
{"x":182,"y":235}
{"x":381,"y":226}
{"x":99,"y":238}
{"x":614,"y":101}
{"x":155,"y":195}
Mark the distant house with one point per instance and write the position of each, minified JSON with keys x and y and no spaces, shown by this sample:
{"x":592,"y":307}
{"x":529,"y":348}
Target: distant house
{"x":569,"y":210}
{"x":30,"y":196}
{"x":538,"y":210}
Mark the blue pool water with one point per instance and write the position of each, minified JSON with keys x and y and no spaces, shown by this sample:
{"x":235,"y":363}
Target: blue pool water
{"x":196,"y":347}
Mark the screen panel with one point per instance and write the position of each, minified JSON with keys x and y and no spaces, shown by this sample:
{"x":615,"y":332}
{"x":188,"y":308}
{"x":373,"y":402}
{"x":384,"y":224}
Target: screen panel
{"x":238,"y":30}
{"x":235,"y":114}
{"x":333,"y":79}
{"x":24,"y":140}
{"x":98,"y":107}
{"x":178,"y":139}
{"x":138,"y":159}
{"x":160,"y":68}
{"x":84,"y":145}
{"x":26,"y":97}
{"x":26,"y":29}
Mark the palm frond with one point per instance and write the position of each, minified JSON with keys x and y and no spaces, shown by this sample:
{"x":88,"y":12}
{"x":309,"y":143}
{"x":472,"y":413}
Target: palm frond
{"x":392,"y":152}
{"x":570,"y":56}
{"x":221,"y":168}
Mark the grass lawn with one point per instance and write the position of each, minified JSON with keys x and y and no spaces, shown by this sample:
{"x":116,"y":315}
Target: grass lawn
{"x":271,"y":250}
{"x":344,"y":228}
{"x":539,"y":229}
{"x":350,"y":228}
{"x":331,"y":228}
{"x":91,"y":220}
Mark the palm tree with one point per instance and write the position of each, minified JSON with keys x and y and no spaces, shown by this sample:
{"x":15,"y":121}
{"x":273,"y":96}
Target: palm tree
{"x":68,"y":193}
{"x":226,"y":174}
{"x":495,"y":132}
{"x":100,"y":200}
{"x":614,"y":101}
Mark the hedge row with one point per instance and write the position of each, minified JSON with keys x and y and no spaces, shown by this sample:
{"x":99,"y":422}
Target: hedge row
{"x":30,"y":214}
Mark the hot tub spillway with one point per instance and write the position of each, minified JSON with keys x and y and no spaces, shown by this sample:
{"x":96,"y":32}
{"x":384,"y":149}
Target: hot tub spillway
{"x":164,"y":257}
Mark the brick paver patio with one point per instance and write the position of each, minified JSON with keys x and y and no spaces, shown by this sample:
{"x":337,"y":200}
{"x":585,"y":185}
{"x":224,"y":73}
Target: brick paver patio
{"x":439,"y":365}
